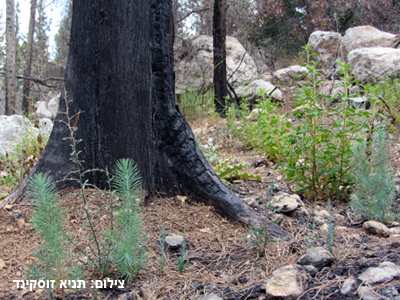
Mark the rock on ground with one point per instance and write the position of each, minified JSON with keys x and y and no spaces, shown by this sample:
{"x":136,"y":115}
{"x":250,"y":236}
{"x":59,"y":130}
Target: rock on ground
{"x":376,"y":228}
{"x":326,"y":44}
{"x":286,"y":203}
{"x":364,"y":37}
{"x":289,"y":281}
{"x":252,"y":91}
{"x":370,"y":64}
{"x":385,"y":272}
{"x":318,"y":257}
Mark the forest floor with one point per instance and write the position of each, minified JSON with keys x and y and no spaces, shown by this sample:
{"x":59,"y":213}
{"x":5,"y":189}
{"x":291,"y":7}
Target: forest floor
{"x":221,"y":261}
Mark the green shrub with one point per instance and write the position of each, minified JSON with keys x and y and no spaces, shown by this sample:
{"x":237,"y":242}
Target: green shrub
{"x":375,"y":188}
{"x":316,"y":153}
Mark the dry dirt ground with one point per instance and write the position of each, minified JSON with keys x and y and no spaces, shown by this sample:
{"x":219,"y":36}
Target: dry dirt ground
{"x":221,"y":261}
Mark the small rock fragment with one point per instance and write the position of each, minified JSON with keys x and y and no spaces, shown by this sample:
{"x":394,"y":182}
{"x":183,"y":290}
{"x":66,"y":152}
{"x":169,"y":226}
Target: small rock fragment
{"x":128,"y":296}
{"x":285,"y":202}
{"x":2,"y":264}
{"x":174,"y":241}
{"x":211,"y":296}
{"x":385,"y":272}
{"x":376,"y":228}
{"x":16,"y":214}
{"x":319,"y":257}
{"x":289,"y":281}
{"x":350,"y":285}
{"x":367,"y":293}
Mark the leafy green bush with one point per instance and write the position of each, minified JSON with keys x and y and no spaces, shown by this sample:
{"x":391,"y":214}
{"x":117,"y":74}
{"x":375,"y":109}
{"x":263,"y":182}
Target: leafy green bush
{"x":268,"y":133}
{"x":316,"y":153}
{"x":375,"y":188}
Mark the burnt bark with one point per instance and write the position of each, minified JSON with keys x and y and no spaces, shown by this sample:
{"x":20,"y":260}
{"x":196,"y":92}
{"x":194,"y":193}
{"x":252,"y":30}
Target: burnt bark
{"x":120,"y":77}
{"x":219,"y":47}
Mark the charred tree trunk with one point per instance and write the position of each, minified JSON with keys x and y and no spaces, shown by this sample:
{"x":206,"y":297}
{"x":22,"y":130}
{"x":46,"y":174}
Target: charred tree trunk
{"x":120,"y":75}
{"x":28,"y":63}
{"x":219,"y":47}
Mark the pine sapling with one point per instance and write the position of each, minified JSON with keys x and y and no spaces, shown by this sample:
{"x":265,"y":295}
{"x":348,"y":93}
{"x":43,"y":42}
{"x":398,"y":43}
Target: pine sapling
{"x":182,"y":261}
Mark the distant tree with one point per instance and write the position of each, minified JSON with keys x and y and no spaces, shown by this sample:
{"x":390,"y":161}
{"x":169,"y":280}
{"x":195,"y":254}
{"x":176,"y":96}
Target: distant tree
{"x":62,"y":38}
{"x":28,"y":60}
{"x":10,"y":59}
{"x":219,"y":54}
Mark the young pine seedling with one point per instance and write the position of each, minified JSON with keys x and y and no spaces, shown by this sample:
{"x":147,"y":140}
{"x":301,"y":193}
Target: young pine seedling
{"x":182,"y":261}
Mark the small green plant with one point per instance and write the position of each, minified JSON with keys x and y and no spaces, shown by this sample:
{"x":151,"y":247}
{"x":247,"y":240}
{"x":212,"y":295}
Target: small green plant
{"x":316,"y":153}
{"x":163,"y":249}
{"x":210,"y":153}
{"x":259,"y":238}
{"x":331,"y":227}
{"x":258,"y":235}
{"x":310,"y":242}
{"x":26,"y":150}
{"x":123,"y":243}
{"x":228,"y":172}
{"x":267,"y":133}
{"x":54,"y":259}
{"x":129,"y":235}
{"x":195,"y":103}
{"x":375,"y":188}
{"x":183,"y":262}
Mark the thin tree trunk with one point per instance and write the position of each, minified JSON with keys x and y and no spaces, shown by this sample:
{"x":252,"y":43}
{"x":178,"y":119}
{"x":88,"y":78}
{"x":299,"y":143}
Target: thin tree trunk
{"x":28,"y":63}
{"x":120,"y":77}
{"x":11,"y":80}
{"x":219,"y":47}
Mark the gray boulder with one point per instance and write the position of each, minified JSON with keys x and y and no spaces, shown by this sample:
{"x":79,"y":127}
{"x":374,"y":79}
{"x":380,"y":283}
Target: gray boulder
{"x":52,"y":106}
{"x":326,"y":44}
{"x":365,"y":37}
{"x":288,"y":75}
{"x":13,"y":128}
{"x":253,"y":89}
{"x":370,"y":64}
{"x":194,"y":64}
{"x":42,"y":110}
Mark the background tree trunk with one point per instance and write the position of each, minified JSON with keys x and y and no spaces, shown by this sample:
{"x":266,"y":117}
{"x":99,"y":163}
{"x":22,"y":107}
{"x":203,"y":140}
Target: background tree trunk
{"x":11,"y":80}
{"x":219,"y":47}
{"x":120,"y":75}
{"x":28,"y":62}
